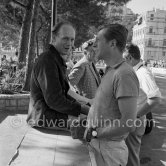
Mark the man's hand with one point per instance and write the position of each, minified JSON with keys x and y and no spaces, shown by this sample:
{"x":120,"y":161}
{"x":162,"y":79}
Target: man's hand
{"x":90,"y":101}
{"x":77,"y":129}
{"x":85,"y":109}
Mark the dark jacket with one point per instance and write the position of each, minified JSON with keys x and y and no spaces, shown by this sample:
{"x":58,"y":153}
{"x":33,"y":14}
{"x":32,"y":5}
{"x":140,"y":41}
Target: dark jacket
{"x":49,"y":100}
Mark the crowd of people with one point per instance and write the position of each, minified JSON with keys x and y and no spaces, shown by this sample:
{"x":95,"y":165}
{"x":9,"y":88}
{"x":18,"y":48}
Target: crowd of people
{"x":157,"y":64}
{"x":8,"y":66}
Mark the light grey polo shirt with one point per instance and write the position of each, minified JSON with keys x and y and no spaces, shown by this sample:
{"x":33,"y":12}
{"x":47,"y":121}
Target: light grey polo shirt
{"x":119,"y":81}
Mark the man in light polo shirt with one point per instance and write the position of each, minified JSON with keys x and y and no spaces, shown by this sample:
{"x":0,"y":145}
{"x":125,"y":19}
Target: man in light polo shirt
{"x":111,"y":117}
{"x":149,"y":97}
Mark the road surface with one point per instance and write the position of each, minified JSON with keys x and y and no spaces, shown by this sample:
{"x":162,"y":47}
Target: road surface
{"x":153,"y":150}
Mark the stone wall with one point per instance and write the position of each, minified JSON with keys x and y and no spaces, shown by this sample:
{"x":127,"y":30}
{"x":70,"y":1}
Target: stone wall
{"x":16,"y":102}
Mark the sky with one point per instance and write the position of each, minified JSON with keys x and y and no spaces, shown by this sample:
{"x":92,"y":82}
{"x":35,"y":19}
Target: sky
{"x":140,"y":6}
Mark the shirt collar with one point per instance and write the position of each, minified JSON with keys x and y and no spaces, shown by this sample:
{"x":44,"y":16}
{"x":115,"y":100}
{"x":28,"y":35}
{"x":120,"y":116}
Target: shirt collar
{"x":115,"y":66}
{"x":57,"y":56}
{"x":137,"y":66}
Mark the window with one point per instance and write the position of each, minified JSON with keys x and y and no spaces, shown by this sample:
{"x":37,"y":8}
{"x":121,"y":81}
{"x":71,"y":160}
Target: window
{"x":151,"y":30}
{"x":164,"y":53}
{"x":149,"y":53}
{"x":165,"y":30}
{"x":140,"y":21}
{"x":150,"y":42}
{"x":164,"y":42}
{"x":152,"y":17}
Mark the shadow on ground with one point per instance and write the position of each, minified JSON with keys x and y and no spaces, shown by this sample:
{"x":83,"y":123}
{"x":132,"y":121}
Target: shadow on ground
{"x":5,"y":114}
{"x":153,"y":149}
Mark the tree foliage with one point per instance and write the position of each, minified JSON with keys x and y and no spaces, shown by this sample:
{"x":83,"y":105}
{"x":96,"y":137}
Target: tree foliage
{"x":10,"y":24}
{"x":84,"y":14}
{"x":116,"y":15}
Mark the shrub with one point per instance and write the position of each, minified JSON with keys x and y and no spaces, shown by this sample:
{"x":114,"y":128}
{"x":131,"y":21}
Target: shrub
{"x":12,"y":82}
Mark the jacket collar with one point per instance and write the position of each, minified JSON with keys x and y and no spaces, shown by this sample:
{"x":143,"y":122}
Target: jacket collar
{"x":57,"y":55}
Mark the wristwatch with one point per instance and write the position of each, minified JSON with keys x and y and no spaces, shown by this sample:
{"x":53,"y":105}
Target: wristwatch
{"x":91,"y":133}
{"x":94,"y":133}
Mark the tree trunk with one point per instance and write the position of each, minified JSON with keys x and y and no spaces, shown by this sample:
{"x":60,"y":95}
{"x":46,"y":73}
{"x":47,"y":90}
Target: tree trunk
{"x":24,"y":36}
{"x":47,"y":38}
{"x":31,"y":49}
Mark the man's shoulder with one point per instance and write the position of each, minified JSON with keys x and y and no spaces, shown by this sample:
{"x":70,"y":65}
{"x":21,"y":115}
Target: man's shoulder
{"x":45,"y":57}
{"x":124,"y":69}
{"x":81,"y":63}
{"x":126,"y":72}
{"x":143,"y":69}
{"x":144,"y":73}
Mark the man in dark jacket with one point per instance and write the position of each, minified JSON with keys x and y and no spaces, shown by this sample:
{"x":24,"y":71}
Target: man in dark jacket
{"x":50,"y":105}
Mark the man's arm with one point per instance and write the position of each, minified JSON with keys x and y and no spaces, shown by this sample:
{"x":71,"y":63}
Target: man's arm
{"x":150,"y":88}
{"x":148,"y":106}
{"x":79,"y":98}
{"x":54,"y":94}
{"x":128,"y":109}
{"x":76,"y":74}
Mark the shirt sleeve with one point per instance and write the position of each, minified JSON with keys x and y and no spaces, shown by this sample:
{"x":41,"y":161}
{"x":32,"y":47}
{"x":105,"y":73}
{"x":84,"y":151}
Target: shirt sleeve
{"x":54,"y":94}
{"x":76,"y":74}
{"x":126,"y":85}
{"x":148,"y":84}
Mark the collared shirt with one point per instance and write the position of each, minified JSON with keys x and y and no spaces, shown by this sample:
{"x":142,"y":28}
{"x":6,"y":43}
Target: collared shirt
{"x":119,"y":81}
{"x":148,"y":86}
{"x":148,"y":89}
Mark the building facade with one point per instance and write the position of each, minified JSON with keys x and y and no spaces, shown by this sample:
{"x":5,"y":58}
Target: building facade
{"x":119,"y":11}
{"x":149,"y":34}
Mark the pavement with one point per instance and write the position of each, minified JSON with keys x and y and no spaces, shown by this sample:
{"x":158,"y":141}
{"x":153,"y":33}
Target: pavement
{"x":159,"y":71}
{"x":153,"y":150}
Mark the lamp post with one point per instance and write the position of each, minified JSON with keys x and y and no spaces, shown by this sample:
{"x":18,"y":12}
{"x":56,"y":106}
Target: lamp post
{"x":54,"y":15}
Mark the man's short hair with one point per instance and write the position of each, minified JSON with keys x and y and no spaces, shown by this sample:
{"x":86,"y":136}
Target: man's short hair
{"x":117,"y":32}
{"x":134,"y":51}
{"x":58,"y":26}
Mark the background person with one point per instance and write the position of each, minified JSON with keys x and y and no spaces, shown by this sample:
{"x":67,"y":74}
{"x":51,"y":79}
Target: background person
{"x":72,"y":90}
{"x":149,"y":97}
{"x":84,"y":74}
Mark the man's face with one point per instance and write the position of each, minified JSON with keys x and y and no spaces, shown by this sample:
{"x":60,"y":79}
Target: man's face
{"x":64,"y":40}
{"x":67,"y":57}
{"x":91,"y":54}
{"x":101,"y":46}
{"x":128,"y":58}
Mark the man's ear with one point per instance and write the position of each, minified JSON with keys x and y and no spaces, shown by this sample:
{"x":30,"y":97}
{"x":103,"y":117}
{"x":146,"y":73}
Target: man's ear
{"x":130,"y":57}
{"x":113,"y":43}
{"x":54,"y":38}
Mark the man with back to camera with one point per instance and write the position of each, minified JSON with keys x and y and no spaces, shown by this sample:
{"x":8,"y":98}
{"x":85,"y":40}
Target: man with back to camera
{"x":149,"y":97}
{"x":115,"y":99}
{"x":49,"y":99}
